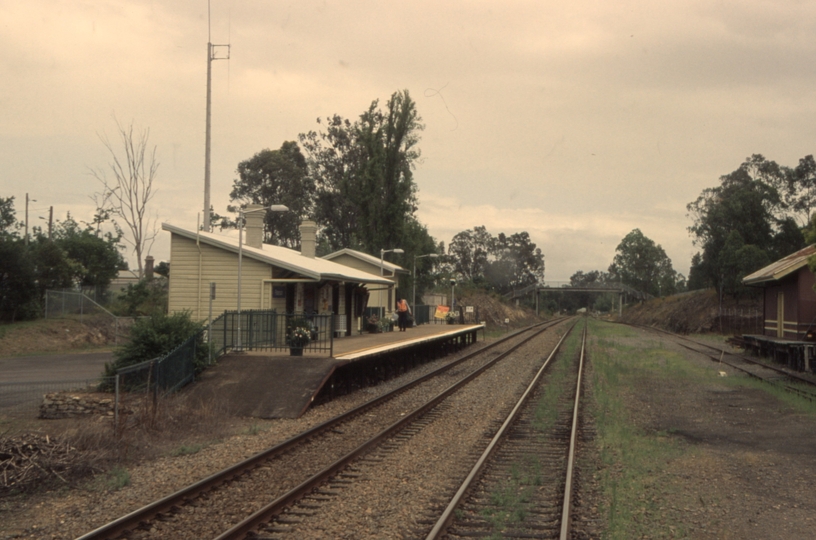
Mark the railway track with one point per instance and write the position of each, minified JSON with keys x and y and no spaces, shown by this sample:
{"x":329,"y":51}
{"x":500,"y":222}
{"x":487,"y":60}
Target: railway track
{"x":522,"y":484}
{"x":295,"y":467}
{"x":783,"y":378}
{"x":348,"y":494}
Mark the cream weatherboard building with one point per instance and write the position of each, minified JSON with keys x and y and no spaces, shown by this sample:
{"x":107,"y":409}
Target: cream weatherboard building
{"x":381,"y":296}
{"x":272,"y":277}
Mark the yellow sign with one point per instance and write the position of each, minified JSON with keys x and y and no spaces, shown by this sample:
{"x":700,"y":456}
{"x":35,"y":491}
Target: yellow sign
{"x":441,"y":311}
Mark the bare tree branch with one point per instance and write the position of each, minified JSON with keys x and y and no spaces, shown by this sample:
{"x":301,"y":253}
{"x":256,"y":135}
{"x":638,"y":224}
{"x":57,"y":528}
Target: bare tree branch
{"x":131,"y":188}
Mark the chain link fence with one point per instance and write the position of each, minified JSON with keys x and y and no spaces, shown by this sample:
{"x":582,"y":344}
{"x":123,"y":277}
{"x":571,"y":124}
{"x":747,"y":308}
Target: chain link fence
{"x":157,"y":377}
{"x":79,"y":306}
{"x":738,"y":321}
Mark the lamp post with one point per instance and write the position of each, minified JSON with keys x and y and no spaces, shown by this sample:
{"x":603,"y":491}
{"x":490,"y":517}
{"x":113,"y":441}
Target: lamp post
{"x":413,"y":274}
{"x":241,"y":214}
{"x":383,"y":252}
{"x":453,"y":301}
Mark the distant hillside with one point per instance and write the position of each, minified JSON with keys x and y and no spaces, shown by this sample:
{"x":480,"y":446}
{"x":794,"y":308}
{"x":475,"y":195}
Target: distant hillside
{"x":692,"y":312}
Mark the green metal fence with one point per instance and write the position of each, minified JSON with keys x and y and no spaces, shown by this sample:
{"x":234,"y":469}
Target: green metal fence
{"x":258,"y":330}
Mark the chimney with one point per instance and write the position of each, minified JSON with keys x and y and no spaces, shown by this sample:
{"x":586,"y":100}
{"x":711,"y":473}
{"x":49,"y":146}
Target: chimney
{"x":254,"y":226}
{"x":308,"y":238}
{"x":148,"y":269}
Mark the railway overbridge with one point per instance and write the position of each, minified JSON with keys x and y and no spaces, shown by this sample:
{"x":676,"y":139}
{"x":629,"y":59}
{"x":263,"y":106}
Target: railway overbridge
{"x":624,"y":292}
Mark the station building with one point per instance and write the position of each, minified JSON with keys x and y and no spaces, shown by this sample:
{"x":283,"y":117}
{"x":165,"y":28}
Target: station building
{"x":273,"y":277}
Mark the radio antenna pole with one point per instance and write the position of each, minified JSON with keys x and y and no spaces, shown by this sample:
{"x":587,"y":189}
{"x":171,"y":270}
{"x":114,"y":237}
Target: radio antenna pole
{"x":212,"y":54}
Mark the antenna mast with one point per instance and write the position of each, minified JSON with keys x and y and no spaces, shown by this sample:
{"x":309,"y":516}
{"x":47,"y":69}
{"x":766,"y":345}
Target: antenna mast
{"x":212,"y":54}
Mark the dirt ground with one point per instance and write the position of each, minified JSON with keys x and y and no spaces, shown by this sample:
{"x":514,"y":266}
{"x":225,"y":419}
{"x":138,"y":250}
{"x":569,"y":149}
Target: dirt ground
{"x":696,"y":312}
{"x":746,"y":460}
{"x":48,"y":336}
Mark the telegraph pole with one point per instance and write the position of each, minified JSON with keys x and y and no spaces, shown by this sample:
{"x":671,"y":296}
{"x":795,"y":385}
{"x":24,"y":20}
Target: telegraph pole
{"x":26,"y":221}
{"x":211,"y":55}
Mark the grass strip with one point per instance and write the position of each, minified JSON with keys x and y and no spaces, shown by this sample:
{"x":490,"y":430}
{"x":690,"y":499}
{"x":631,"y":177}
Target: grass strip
{"x":512,"y":499}
{"x":632,"y":460}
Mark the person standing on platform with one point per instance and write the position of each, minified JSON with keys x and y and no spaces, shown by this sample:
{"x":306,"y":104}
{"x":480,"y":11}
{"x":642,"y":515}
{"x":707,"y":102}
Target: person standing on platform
{"x":402,"y":312}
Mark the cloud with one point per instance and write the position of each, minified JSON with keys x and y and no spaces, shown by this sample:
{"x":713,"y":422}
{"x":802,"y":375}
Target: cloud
{"x":570,"y":241}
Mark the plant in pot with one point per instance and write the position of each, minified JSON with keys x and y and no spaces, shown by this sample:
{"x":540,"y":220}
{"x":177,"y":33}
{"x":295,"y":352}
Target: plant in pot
{"x":298,"y":339}
{"x":373,"y":325}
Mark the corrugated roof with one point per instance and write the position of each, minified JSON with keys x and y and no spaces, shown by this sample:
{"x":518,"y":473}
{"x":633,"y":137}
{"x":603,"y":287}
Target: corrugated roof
{"x":781,"y":268}
{"x":371,"y":259}
{"x":288,"y":259}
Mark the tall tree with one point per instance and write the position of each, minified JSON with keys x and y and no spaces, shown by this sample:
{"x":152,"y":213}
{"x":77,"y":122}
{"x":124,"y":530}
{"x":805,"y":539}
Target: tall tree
{"x":129,"y":192}
{"x":747,"y":202}
{"x":277,"y":177}
{"x":98,"y":256}
{"x":7,"y":217}
{"x":363,"y":173}
{"x":17,"y":285}
{"x":801,"y":189}
{"x":517,"y":263}
{"x":501,"y":263}
{"x":469,"y":252}
{"x":643,"y":265}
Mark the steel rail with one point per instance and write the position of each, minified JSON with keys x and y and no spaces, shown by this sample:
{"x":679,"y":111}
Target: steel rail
{"x":741,"y":357}
{"x":567,"y":508}
{"x":447,"y":516}
{"x":787,"y":388}
{"x":116,"y":528}
{"x":242,"y":529}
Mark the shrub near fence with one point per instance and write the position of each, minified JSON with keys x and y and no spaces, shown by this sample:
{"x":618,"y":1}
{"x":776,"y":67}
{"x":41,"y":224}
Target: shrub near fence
{"x":259,"y":329}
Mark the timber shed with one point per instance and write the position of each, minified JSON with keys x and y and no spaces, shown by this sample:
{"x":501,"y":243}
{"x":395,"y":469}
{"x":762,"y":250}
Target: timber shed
{"x":788,"y":297}
{"x":272,"y":277}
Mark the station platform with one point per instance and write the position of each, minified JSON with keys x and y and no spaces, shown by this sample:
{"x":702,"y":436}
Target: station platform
{"x":795,"y":354}
{"x":265,"y":384}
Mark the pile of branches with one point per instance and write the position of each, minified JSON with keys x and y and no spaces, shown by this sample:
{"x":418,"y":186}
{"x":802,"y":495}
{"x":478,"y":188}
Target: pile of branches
{"x":31,"y":460}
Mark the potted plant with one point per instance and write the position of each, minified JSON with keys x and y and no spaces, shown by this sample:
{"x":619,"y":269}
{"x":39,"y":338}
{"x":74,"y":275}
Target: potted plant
{"x":298,"y":339}
{"x":373,"y":325}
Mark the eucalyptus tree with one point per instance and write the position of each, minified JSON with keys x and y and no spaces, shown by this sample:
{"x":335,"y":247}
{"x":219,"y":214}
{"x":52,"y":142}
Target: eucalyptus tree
{"x":276,"y":177}
{"x":365,"y":196}
{"x":751,"y":207}
{"x":501,"y":263}
{"x":642,"y":264}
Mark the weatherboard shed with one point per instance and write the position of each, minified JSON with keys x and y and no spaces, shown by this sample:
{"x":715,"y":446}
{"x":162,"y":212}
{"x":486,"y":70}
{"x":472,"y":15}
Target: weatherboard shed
{"x":788,"y":296}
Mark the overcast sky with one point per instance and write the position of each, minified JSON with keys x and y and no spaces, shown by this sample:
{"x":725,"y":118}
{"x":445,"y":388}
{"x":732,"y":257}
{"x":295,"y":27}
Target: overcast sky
{"x":574,"y":121}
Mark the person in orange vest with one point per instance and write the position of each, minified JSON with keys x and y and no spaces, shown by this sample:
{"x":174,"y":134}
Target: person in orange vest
{"x":402,"y":312}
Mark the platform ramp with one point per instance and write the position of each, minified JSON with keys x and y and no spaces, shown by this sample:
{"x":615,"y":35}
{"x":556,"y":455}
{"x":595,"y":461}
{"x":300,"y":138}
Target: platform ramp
{"x":263,"y":386}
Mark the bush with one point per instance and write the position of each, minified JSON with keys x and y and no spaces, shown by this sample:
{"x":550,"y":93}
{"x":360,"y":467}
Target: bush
{"x":155,"y":336}
{"x":147,"y":297}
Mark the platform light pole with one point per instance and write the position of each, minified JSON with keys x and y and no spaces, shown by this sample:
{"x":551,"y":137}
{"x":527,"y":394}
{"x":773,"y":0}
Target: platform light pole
{"x":383,"y":252}
{"x":413,"y":274}
{"x":453,"y":301}
{"x":241,"y":214}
